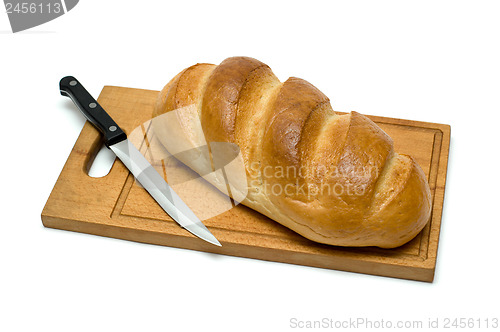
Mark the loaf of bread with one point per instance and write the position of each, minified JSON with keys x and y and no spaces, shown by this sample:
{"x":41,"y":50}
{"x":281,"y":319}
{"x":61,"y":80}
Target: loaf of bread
{"x":334,"y":179}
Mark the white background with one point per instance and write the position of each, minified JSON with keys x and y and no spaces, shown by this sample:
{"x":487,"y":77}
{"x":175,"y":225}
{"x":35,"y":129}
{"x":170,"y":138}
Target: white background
{"x":435,"y":61}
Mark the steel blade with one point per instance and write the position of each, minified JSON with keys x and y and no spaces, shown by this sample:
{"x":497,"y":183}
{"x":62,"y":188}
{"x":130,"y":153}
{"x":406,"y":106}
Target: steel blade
{"x":160,"y":190}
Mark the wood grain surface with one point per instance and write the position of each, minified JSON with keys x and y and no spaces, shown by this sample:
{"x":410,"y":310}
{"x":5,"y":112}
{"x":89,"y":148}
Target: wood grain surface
{"x":116,"y":206}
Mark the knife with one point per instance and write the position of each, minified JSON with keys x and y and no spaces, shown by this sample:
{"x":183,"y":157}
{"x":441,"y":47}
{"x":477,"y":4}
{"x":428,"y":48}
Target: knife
{"x":116,"y":140}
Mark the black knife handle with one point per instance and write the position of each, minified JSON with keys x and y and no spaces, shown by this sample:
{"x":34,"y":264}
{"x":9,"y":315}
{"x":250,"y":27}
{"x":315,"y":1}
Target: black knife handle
{"x":70,"y":87}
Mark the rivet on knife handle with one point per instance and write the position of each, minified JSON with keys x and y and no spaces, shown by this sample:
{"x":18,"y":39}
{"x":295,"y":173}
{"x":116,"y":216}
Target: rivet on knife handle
{"x":70,"y":87}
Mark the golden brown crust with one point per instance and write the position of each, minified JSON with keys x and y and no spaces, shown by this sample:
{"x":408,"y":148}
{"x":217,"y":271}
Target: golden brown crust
{"x":184,"y":89}
{"x":405,"y":211}
{"x":333,"y":178}
{"x":294,"y":106}
{"x":255,"y":103}
{"x":220,"y":101}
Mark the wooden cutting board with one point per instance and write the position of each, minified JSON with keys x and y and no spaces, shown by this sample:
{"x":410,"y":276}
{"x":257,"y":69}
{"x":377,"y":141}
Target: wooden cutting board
{"x":116,"y":206}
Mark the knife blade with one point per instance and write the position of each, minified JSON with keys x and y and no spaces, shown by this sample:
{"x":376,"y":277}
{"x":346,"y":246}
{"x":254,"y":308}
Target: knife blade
{"x":116,"y":140}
